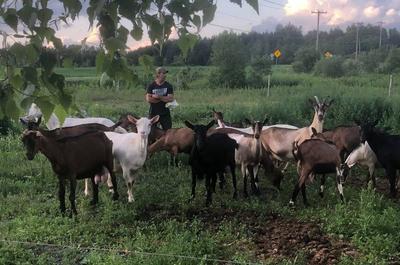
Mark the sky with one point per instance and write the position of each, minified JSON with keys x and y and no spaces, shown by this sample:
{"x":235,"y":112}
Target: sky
{"x":230,"y":16}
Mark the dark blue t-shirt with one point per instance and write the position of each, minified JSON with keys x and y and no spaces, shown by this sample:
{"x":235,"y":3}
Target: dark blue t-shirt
{"x":162,"y":90}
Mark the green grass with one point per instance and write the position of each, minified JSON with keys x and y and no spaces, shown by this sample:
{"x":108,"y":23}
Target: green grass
{"x":160,"y":220}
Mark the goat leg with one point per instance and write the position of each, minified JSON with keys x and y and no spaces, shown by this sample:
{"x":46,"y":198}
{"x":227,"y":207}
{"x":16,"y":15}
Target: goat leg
{"x":321,"y":188}
{"x":209,"y":177}
{"x":61,"y":193}
{"x":72,"y":186}
{"x":391,"y":173}
{"x":114,"y":186}
{"x":303,"y":193}
{"x":244,"y":174}
{"x":194,"y":176}
{"x":95,"y":188}
{"x":222,"y":180}
{"x":232,"y":168}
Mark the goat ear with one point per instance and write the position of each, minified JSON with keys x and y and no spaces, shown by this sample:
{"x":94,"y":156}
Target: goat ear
{"x":131,"y":119}
{"x":189,"y":125}
{"x":314,"y":131}
{"x":265,"y":120}
{"x":23,"y":121}
{"x":213,"y":110}
{"x":155,"y":119}
{"x":247,"y":121}
{"x":373,"y":124}
{"x":357,"y":122}
{"x":312,"y":102}
{"x":330,"y":102}
{"x":210,"y":124}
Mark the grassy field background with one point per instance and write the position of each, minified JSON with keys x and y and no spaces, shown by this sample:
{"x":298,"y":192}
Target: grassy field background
{"x":161,"y":227}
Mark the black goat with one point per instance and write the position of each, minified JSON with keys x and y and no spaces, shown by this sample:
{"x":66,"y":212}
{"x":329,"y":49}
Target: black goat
{"x":209,"y":156}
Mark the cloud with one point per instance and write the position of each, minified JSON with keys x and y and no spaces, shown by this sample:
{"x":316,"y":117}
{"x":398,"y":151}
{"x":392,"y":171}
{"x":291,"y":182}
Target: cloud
{"x":371,"y":11}
{"x":340,"y":13}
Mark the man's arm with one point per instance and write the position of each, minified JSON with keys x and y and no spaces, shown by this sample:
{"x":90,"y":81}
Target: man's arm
{"x":167,"y":98}
{"x":151,"y":98}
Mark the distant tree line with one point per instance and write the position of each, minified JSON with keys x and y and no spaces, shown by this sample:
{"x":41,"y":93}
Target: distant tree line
{"x":288,"y":39}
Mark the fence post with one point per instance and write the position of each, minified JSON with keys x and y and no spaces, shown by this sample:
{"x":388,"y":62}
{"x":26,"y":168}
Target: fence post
{"x":390,"y":84}
{"x":269,"y":84}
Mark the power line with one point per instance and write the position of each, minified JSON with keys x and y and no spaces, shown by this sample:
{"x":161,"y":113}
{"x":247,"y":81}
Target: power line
{"x":226,"y":27}
{"x":273,"y":7}
{"x":242,"y":18}
{"x":274,"y":3}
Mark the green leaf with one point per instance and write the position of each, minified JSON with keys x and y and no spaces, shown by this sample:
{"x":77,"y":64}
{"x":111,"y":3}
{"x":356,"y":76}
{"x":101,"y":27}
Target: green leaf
{"x":11,"y":19}
{"x":253,"y":4}
{"x":100,"y":58}
{"x":73,"y":7}
{"x":57,"y":81}
{"x":44,"y":15}
{"x":114,"y":44}
{"x":137,"y":33}
{"x":68,"y":62}
{"x":30,"y":74}
{"x":28,"y":15}
{"x":31,"y":54}
{"x":208,"y":14}
{"x":238,"y":2}
{"x":122,"y":34}
{"x":17,"y":81}
{"x":186,"y":42}
{"x":45,"y":106}
{"x":12,"y":109}
{"x":56,"y":42}
{"x":65,"y":100}
{"x":18,"y":50}
{"x":197,"y":22}
{"x":48,"y":61}
{"x":60,"y":113}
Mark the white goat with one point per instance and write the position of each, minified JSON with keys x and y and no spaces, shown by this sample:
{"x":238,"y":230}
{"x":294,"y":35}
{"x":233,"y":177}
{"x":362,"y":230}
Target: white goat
{"x":365,"y":156}
{"x":130,"y":149}
{"x":249,"y":154}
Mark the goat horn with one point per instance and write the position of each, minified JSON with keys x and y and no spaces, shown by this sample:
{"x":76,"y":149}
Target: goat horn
{"x":317,"y":100}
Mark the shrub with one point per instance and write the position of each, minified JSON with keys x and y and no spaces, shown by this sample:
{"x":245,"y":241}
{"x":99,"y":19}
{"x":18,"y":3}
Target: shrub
{"x":392,"y":62}
{"x":305,"y":60}
{"x":352,"y":67}
{"x":257,"y":71}
{"x":228,"y":56}
{"x":330,"y":67}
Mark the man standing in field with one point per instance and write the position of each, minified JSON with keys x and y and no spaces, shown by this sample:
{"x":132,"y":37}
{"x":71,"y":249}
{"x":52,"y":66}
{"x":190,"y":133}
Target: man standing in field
{"x":158,"y":94}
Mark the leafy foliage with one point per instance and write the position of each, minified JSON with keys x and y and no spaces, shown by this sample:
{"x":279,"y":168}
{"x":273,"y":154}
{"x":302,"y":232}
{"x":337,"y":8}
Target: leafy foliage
{"x":228,"y":56}
{"x":305,"y":60}
{"x":330,"y":67}
{"x":37,"y":24}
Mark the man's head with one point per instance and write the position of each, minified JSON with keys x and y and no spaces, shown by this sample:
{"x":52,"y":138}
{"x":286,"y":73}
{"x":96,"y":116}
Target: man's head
{"x":161,"y":74}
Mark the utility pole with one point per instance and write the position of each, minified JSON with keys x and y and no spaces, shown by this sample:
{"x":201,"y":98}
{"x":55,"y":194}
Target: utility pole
{"x":357,"y":40}
{"x":380,"y":23}
{"x":318,"y":12}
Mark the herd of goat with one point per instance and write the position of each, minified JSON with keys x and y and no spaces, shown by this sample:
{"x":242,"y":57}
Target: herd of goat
{"x":94,"y":148}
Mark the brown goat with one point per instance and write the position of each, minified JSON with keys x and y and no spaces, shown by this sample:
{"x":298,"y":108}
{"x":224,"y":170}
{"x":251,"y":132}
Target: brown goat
{"x":345,"y":138}
{"x":75,"y":157}
{"x":316,"y":156}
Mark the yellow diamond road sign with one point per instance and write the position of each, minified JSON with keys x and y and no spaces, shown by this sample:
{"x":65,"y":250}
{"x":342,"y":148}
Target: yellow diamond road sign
{"x":328,"y":55}
{"x":277,"y":53}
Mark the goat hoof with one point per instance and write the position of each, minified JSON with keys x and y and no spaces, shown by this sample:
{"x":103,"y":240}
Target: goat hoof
{"x":115,"y":196}
{"x":291,"y":203}
{"x":321,"y":194}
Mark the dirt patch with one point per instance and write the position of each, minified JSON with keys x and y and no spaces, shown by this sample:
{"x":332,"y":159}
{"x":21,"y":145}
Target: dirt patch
{"x":276,"y":238}
{"x":282,"y":238}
